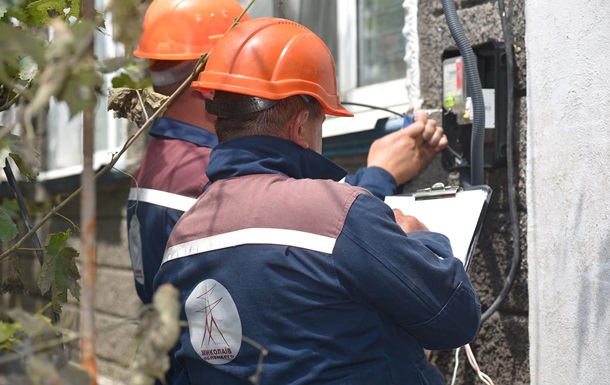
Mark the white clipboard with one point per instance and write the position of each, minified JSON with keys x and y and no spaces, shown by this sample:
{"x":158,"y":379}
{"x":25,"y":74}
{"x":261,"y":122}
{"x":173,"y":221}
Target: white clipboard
{"x":458,"y":214}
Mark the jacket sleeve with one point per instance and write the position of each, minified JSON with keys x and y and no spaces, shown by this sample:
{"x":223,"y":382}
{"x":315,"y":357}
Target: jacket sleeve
{"x":376,"y":180}
{"x":155,"y":224}
{"x":412,"y":278}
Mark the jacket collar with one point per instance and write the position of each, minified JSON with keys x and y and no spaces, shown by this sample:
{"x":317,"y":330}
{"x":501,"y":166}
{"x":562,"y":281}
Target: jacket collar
{"x":175,"y":129}
{"x":269,"y":155}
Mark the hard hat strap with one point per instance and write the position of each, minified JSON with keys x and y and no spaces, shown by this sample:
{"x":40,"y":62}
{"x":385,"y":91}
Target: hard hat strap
{"x":226,"y":104}
{"x":174,"y":74}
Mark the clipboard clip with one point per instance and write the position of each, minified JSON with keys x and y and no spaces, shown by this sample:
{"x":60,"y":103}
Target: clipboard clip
{"x":438,"y":190}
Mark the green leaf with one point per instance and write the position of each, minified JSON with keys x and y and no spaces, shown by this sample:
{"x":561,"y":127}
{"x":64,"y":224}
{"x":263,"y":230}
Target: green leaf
{"x":41,"y":12}
{"x":11,"y":207}
{"x":83,"y":81}
{"x":81,"y":89}
{"x":127,"y":16}
{"x":23,"y":167}
{"x":8,"y":228}
{"x":83,"y":33}
{"x":53,"y":77}
{"x":23,"y":154}
{"x":9,"y":337}
{"x":124,"y":80}
{"x":13,"y":283}
{"x":34,"y":326}
{"x":16,"y":43}
{"x":27,"y":68}
{"x":70,"y":74}
{"x":114,"y":64}
{"x":16,"y":11}
{"x":74,"y":10}
{"x":59,"y":271}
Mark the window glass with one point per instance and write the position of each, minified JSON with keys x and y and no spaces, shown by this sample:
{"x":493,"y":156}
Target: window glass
{"x":381,"y":44}
{"x":318,"y":15}
{"x":64,"y":135}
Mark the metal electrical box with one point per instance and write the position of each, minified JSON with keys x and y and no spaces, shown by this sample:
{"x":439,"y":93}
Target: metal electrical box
{"x":457,"y":107}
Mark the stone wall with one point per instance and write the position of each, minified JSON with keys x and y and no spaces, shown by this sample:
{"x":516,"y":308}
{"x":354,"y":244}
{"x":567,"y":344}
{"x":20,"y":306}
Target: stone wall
{"x":116,"y":301}
{"x":502,"y":346}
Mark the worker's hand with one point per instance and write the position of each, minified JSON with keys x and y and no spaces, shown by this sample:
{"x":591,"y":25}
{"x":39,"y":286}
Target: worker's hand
{"x":408,"y":223}
{"x":406,"y":152}
{"x":433,"y":135}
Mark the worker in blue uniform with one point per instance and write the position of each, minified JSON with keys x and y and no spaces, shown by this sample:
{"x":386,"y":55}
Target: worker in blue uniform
{"x":172,"y":172}
{"x":335,"y":286}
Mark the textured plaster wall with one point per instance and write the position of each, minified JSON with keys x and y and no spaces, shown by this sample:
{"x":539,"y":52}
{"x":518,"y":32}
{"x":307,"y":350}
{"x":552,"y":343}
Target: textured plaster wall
{"x":568,"y":183}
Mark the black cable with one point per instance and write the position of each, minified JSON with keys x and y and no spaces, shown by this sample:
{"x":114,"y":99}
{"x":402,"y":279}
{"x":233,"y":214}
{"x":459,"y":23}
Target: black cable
{"x":475,"y":91}
{"x":12,"y":182}
{"x":510,"y":169}
{"x":372,"y":107}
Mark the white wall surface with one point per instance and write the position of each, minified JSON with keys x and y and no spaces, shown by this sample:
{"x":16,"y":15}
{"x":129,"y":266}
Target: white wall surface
{"x":568,"y":190}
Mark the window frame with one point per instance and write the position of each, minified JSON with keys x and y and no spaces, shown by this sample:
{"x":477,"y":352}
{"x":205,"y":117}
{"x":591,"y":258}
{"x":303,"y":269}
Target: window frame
{"x":115,"y":129}
{"x":392,"y":94}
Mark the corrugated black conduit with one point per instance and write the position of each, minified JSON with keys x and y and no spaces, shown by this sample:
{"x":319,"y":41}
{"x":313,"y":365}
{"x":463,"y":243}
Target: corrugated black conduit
{"x":474,"y":89}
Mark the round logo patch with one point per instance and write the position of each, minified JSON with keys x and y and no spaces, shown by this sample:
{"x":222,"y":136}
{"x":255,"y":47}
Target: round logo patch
{"x":214,"y":324}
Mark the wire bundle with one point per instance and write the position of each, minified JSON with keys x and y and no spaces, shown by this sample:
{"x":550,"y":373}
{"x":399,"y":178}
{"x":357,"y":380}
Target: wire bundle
{"x":473,"y":362}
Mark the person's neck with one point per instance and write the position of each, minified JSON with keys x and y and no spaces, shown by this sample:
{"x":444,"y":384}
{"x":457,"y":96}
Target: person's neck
{"x":189,"y":108}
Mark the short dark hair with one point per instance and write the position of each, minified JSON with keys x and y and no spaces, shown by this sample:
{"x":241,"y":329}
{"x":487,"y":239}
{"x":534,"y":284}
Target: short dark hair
{"x":270,"y":122}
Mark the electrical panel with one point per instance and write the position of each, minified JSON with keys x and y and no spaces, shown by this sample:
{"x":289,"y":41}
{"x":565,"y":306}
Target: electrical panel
{"x":457,"y":106}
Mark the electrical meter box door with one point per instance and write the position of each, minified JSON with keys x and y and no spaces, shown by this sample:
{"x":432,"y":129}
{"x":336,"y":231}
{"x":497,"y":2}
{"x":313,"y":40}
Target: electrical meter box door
{"x":457,"y":107}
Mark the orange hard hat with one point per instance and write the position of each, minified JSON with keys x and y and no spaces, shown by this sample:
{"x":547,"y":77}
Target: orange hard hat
{"x":185,"y":29}
{"x":273,"y":59}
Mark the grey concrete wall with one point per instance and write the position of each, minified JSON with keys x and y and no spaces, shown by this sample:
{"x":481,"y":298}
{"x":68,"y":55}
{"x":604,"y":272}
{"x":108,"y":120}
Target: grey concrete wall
{"x":568,"y":184}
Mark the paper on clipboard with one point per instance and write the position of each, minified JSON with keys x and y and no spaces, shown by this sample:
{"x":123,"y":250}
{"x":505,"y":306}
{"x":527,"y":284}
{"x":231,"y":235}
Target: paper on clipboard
{"x":459,"y":216}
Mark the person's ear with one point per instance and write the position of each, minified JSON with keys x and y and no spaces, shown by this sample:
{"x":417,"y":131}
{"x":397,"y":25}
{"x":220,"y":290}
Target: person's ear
{"x":206,"y":95}
{"x":297,"y":128}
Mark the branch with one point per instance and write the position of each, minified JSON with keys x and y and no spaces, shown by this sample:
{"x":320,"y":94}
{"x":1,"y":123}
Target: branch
{"x":67,"y":336}
{"x":17,"y":96}
{"x":142,"y":104}
{"x":242,"y":15}
{"x":200,"y":64}
{"x":110,"y":164}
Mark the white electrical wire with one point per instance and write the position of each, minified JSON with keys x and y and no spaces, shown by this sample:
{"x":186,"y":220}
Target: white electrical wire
{"x":457,"y":364}
{"x":473,"y":362}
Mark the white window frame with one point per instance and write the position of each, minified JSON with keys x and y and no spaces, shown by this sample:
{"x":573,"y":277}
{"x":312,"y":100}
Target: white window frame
{"x":392,"y":95}
{"x":58,"y":111}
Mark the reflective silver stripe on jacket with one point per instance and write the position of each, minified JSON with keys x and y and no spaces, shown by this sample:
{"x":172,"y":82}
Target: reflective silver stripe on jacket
{"x":161,"y":198}
{"x":258,"y":236}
